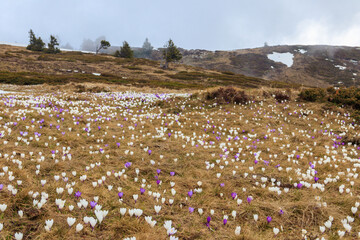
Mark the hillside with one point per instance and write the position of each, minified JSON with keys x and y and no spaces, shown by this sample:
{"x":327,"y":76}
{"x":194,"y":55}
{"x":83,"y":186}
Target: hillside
{"x":88,"y":154}
{"x":23,"y":67}
{"x":318,"y":66}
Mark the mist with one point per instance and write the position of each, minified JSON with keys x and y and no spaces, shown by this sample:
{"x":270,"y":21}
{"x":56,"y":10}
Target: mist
{"x":202,"y":24}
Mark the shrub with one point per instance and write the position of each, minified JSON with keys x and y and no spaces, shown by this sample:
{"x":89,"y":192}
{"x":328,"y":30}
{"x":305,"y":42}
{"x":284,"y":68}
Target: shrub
{"x":45,"y":58}
{"x":356,"y":115}
{"x":132,"y":68}
{"x":97,"y":89}
{"x":266,"y":94}
{"x":228,"y":73}
{"x":280,"y":96}
{"x":175,"y":110}
{"x":351,"y":139}
{"x":80,"y":88}
{"x":312,"y":95}
{"x":347,"y":96}
{"x":241,"y":98}
{"x":194,"y":96}
{"x":184,"y":75}
{"x":228,"y":95}
{"x":331,"y":90}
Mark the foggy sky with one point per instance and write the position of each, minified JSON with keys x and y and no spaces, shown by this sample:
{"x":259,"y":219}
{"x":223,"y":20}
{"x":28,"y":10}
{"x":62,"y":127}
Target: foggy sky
{"x":192,"y":24}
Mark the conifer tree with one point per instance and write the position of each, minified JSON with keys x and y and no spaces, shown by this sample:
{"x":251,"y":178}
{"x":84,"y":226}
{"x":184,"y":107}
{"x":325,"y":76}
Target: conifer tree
{"x":171,"y":53}
{"x":35,"y":44}
{"x":52,"y":45}
{"x":125,"y":51}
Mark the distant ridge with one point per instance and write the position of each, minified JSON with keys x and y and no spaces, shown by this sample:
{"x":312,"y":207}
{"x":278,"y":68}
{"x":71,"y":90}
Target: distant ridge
{"x":313,"y":65}
{"x":310,"y":65}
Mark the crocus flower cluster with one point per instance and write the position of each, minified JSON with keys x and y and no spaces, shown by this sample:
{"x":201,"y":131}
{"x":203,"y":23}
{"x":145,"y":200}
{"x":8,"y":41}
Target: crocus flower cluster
{"x":182,"y":164}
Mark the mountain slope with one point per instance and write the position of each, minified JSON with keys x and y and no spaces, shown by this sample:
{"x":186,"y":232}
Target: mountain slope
{"x":318,"y":66}
{"x":20,"y":66}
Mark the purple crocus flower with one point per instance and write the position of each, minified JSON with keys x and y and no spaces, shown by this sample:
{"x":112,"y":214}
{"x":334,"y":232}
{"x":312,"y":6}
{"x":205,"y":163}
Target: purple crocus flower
{"x":158,"y":171}
{"x":233,"y":195}
{"x":299,"y":185}
{"x":249,"y":199}
{"x":77,"y":194}
{"x":191,"y":210}
{"x":172,"y":173}
{"x":281,"y":212}
{"x":316,"y":179}
{"x":208,"y":219}
{"x":93,"y":204}
{"x":149,"y":151}
{"x":120,"y":194}
{"x":128,"y":164}
{"x":118,"y":144}
{"x":190,"y":193}
{"x":142,"y":190}
{"x":225,"y":221}
{"x":169,"y":134}
{"x":1,"y":186}
{"x":222,"y":184}
{"x":269,"y":219}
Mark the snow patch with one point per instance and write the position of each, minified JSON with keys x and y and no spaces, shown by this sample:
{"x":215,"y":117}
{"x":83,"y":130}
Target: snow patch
{"x":3,"y":92}
{"x":97,"y":74}
{"x":354,"y":61}
{"x":285,"y":58}
{"x":14,"y":44}
{"x":302,"y":51}
{"x":340,"y":67}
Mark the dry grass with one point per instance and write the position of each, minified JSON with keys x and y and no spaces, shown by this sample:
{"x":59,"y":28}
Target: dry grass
{"x":301,"y":209}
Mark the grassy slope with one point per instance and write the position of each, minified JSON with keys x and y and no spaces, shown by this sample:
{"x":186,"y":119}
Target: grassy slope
{"x":19,"y":66}
{"x":291,"y":133}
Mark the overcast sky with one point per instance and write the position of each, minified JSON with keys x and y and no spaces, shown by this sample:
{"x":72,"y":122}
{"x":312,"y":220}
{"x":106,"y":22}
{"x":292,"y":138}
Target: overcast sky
{"x":192,"y":24}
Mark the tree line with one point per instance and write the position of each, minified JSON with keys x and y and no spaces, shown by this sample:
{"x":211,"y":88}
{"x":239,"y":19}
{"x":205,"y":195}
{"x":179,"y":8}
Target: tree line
{"x":170,"y":52}
{"x":37,"y":44}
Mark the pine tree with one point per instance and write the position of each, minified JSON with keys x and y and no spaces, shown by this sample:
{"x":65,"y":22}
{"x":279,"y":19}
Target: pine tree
{"x":146,"y":49}
{"x":171,"y":53}
{"x":35,"y":44}
{"x":52,"y":45}
{"x":32,"y":39}
{"x":125,"y":51}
